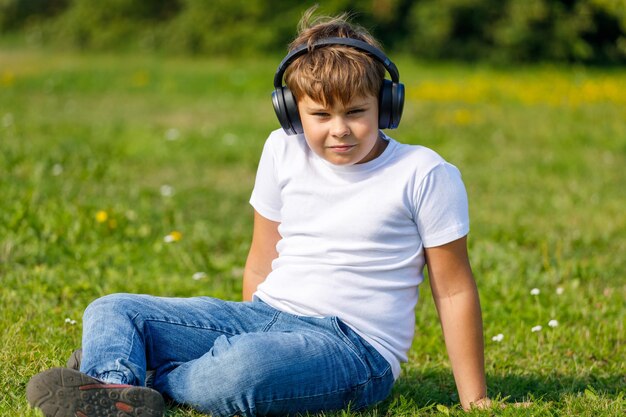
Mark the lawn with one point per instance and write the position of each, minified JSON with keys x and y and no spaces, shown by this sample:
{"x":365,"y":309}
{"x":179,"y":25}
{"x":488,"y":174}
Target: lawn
{"x":132,"y":173}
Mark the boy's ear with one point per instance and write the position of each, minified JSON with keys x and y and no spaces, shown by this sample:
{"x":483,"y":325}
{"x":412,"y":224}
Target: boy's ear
{"x":286,"y":108}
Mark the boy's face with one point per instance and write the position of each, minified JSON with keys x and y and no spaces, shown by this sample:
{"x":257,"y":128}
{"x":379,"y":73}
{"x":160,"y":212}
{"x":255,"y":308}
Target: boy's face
{"x":342,"y":134}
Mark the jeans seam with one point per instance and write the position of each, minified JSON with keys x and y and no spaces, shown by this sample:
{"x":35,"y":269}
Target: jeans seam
{"x":137,"y":323}
{"x":271,"y":322}
{"x":355,"y":388}
{"x":178,"y":323}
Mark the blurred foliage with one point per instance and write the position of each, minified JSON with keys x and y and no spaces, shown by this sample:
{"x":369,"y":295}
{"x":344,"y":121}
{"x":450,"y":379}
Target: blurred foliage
{"x":584,"y":31}
{"x":520,"y":30}
{"x":18,"y":14}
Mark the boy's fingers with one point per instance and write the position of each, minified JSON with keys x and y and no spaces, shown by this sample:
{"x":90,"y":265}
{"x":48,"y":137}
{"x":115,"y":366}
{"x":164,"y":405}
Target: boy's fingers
{"x":487,"y":403}
{"x":523,"y":404}
{"x":481,"y":404}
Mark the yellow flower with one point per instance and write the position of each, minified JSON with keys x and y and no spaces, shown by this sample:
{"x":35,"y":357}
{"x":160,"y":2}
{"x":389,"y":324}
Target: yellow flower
{"x":102,"y":216}
{"x":141,"y":79}
{"x":7,"y":78}
{"x":463,"y":117}
{"x":544,"y":87}
{"x":173,"y":236}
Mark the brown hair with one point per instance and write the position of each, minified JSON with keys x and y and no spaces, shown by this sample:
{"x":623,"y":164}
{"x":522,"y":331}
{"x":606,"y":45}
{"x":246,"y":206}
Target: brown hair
{"x":336,"y":72}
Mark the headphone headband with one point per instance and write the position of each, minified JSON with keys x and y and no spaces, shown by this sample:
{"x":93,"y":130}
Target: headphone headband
{"x":354,"y":43}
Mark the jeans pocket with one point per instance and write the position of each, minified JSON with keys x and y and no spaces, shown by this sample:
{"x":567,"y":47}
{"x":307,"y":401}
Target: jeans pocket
{"x":379,"y":381}
{"x":374,"y":391}
{"x":373,"y":360}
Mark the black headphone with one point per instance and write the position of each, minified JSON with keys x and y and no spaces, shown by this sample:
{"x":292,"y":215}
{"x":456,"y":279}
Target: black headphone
{"x":390,"y":98}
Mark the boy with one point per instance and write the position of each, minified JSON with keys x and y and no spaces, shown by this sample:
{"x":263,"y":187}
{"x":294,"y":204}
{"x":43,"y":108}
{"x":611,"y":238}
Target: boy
{"x":345,"y":220}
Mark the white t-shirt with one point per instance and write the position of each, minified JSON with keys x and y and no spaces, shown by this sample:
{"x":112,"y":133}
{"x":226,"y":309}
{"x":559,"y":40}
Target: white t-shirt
{"x":353,"y":237}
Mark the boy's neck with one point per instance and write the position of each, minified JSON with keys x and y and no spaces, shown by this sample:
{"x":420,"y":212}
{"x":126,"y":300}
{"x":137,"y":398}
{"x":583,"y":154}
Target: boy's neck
{"x":377,"y":150}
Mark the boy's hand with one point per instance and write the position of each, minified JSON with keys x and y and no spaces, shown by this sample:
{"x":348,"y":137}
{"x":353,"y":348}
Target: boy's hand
{"x":481,"y":404}
{"x":486,"y":403}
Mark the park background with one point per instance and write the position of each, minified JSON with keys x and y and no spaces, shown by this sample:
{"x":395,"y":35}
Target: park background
{"x":130,"y":132}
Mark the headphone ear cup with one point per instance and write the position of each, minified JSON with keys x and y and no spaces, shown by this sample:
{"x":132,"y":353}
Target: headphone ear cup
{"x":278,"y":101}
{"x":291,"y":108}
{"x":390,"y":104}
{"x":385,"y":105}
{"x":286,"y":109}
{"x":397,"y":104}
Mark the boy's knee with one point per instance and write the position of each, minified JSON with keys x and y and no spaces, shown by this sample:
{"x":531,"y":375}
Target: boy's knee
{"x":109,"y":303}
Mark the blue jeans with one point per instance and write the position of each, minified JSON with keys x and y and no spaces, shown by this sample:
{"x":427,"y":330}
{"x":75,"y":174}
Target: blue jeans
{"x":227,"y":358}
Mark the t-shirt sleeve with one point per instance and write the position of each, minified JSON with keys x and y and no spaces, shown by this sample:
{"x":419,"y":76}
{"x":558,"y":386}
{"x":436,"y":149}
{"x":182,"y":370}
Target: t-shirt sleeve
{"x":442,"y":214}
{"x":265,"y":196}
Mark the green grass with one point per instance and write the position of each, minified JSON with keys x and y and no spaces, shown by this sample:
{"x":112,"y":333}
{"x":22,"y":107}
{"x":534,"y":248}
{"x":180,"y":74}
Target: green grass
{"x":542,"y":151}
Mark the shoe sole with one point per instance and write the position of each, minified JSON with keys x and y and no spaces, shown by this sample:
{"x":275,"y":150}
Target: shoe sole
{"x":63,"y":392}
{"x":76,"y":358}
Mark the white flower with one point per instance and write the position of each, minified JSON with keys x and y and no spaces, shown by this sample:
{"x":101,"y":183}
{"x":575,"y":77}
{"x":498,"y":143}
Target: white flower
{"x":237,"y":271}
{"x":535,"y":291}
{"x":198,"y":275}
{"x":70,"y":321}
{"x":229,"y":139}
{"x":553,"y":323}
{"x":498,"y":338}
{"x":131,"y":215}
{"x":172,"y":134}
{"x":559,"y":290}
{"x":536,"y":329}
{"x":7,"y":120}
{"x":167,"y":190}
{"x":57,"y":169}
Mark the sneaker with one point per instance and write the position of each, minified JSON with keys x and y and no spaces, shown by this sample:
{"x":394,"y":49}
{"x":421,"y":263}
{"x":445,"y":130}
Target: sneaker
{"x":63,"y":392}
{"x":75,"y":358}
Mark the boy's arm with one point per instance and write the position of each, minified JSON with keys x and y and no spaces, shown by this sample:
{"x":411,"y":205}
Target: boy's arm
{"x":456,"y":299}
{"x":265,"y":236}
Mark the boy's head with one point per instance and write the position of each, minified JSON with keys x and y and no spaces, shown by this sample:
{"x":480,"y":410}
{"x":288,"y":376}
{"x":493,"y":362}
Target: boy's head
{"x":333,"y":62}
{"x":335,"y":73}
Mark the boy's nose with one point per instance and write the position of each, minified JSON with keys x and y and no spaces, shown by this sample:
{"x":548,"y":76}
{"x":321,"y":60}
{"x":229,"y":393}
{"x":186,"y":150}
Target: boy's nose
{"x":339,"y":127}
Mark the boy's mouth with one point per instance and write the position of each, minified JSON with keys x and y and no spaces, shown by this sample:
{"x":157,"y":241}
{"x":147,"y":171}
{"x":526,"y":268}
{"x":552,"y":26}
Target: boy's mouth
{"x":341,"y":148}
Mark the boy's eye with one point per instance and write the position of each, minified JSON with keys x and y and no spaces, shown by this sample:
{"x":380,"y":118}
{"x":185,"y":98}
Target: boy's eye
{"x":356,"y":111}
{"x":320,"y":114}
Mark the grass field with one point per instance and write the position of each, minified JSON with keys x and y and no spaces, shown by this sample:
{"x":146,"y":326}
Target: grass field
{"x":132,"y":174}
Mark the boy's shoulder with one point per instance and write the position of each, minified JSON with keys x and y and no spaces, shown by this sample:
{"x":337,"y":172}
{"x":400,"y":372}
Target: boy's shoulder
{"x":286,"y":147}
{"x":279,"y":139}
{"x":418,"y":152}
{"x":422,"y":158}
